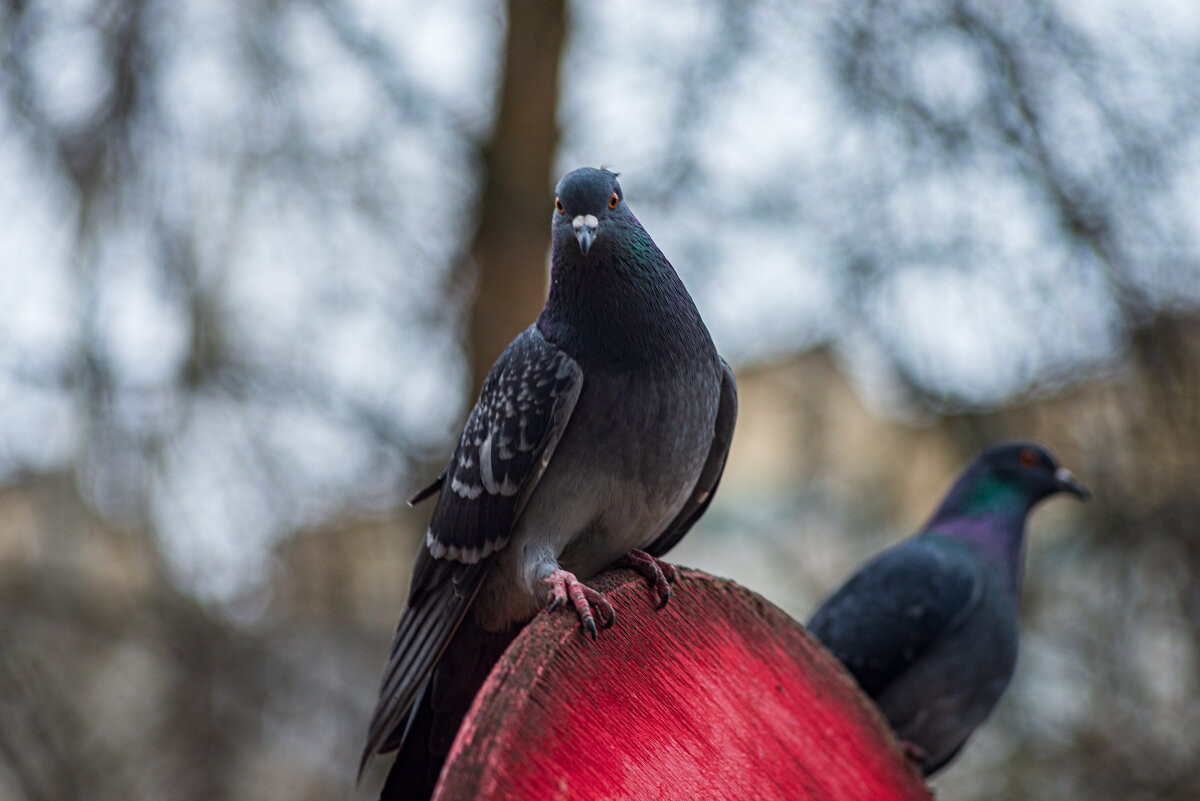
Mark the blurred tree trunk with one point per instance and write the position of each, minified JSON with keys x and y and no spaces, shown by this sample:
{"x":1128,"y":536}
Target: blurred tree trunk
{"x":510,"y":245}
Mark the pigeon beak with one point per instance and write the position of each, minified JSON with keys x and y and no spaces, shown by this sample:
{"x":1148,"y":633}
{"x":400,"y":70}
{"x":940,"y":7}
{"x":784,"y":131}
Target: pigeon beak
{"x":585,"y":231}
{"x":1068,"y":483}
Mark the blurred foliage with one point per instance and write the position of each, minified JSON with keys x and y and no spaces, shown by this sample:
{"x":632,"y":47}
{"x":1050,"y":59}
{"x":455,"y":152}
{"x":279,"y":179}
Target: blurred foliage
{"x":256,"y":253}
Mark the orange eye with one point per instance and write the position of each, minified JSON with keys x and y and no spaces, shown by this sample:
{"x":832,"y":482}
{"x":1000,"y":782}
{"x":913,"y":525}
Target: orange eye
{"x":1028,"y":457}
{"x":613,"y":201}
{"x":559,"y":206}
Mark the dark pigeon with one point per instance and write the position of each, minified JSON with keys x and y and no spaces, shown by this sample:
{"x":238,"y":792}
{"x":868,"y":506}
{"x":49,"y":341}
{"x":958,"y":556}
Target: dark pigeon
{"x":928,"y":628}
{"x":599,"y":435}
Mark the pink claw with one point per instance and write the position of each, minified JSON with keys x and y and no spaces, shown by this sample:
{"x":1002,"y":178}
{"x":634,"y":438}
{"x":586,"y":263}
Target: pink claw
{"x":914,"y":753}
{"x":656,"y":571}
{"x":563,"y":584}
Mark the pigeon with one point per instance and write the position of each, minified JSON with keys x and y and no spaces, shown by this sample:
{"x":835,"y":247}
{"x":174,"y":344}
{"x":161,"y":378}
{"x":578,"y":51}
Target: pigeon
{"x":599,"y":437}
{"x":928,"y":628}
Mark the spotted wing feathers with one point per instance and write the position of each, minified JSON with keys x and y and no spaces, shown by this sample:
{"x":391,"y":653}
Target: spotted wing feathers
{"x":506,"y":444}
{"x":505,"y":447}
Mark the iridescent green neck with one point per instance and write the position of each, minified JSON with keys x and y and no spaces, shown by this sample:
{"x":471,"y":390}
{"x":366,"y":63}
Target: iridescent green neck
{"x":622,"y":304}
{"x":988,"y":512}
{"x":988,"y":496}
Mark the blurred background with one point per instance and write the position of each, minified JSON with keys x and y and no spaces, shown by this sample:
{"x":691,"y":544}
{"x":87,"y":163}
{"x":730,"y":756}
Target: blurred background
{"x":256,"y":256}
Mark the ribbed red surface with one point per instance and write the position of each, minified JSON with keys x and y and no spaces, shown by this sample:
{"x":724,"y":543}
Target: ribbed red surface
{"x":718,"y":695}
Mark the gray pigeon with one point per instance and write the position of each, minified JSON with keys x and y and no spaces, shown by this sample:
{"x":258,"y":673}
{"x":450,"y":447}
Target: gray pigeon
{"x":928,"y":628}
{"x":599,"y":436}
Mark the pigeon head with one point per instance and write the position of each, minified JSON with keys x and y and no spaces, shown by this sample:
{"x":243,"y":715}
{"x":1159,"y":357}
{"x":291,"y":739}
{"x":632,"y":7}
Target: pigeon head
{"x":588,"y":203}
{"x":990,"y":501}
{"x":1020,"y":473}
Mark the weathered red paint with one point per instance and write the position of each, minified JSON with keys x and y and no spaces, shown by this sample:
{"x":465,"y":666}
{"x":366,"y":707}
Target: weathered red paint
{"x":718,"y":695}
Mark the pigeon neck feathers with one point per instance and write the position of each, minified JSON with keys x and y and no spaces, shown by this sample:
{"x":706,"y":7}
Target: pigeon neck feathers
{"x":988,"y":512}
{"x":622,"y":304}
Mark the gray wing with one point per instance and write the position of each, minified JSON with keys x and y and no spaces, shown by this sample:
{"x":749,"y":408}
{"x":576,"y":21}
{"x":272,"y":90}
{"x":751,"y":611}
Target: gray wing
{"x":506,"y":444}
{"x":892,"y":610}
{"x":710,"y":474}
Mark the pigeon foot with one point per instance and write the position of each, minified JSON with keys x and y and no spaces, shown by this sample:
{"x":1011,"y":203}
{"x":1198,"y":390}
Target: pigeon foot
{"x":563,"y":586}
{"x":660,"y":574}
{"x":914,"y":753}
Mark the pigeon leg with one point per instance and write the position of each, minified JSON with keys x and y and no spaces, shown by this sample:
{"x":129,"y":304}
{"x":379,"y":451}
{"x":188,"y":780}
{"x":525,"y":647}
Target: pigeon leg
{"x":656,"y":571}
{"x":563,"y":586}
